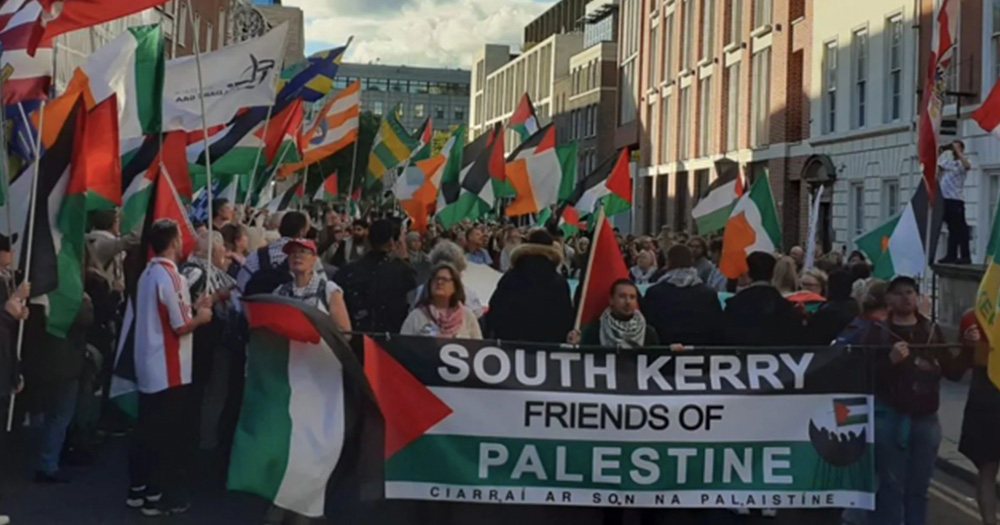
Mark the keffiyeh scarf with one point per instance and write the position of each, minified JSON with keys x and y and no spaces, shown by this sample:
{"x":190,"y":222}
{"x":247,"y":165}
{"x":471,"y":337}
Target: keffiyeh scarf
{"x":681,"y":277}
{"x":625,"y":334}
{"x":449,"y":321}
{"x":217,"y":279}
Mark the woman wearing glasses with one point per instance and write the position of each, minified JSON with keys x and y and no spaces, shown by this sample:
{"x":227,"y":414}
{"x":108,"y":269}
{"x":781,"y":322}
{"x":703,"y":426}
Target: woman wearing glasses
{"x":441,"y":311}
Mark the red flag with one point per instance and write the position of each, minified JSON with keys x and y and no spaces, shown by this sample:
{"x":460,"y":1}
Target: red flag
{"x":168,"y":205}
{"x":284,"y":125}
{"x":606,"y":265}
{"x":932,"y":104}
{"x":497,"y":164}
{"x":988,"y":114}
{"x":101,"y":162}
{"x":63,"y":16}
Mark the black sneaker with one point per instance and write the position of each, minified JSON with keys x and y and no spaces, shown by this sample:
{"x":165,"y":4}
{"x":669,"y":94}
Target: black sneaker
{"x":55,"y":478}
{"x":153,"y":509}
{"x":139,"y":496}
{"x":179,"y":506}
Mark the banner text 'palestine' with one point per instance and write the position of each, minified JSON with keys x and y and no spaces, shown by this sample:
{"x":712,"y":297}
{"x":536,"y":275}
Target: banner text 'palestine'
{"x":472,"y":421}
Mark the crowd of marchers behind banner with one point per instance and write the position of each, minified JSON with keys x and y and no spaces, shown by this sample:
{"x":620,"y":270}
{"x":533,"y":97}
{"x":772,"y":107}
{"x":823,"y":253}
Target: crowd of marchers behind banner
{"x":371,"y":275}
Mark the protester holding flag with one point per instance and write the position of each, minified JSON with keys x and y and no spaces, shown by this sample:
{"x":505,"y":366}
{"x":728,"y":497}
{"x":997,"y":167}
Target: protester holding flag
{"x":441,"y":311}
{"x":163,"y":438}
{"x":532,"y":302}
{"x":980,"y":440}
{"x":266,"y":268}
{"x":622,"y":324}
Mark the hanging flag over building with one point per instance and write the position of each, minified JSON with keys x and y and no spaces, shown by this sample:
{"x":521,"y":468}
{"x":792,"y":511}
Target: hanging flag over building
{"x":714,"y":207}
{"x":131,"y":67}
{"x":944,"y":40}
{"x":234,"y":77}
{"x":536,"y":171}
{"x":335,"y":128}
{"x":524,"y":121}
{"x":26,"y":76}
{"x":752,"y":227}
{"x":392,"y":145}
{"x":311,"y":79}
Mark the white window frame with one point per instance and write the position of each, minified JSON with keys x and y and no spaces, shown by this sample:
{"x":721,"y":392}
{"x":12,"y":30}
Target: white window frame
{"x":735,"y":23}
{"x":831,"y":54}
{"x":182,"y":23}
{"x":667,"y":72}
{"x":856,"y":210}
{"x":654,"y":57}
{"x":860,"y":64}
{"x":760,"y":94}
{"x":733,"y":94}
{"x":890,"y":198}
{"x":687,"y":34}
{"x":894,"y":68}
{"x":665,"y":135}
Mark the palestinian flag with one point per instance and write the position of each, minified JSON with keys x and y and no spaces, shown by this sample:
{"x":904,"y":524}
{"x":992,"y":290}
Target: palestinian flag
{"x":289,"y":198}
{"x":752,"y":227}
{"x":60,"y":219}
{"x":536,"y":172}
{"x":355,"y":203}
{"x":897,"y":247}
{"x":132,"y":67}
{"x":524,"y":121}
{"x":451,"y":152}
{"x":305,"y":391}
{"x":101,"y":163}
{"x":851,"y":411}
{"x":328,"y":189}
{"x":236,"y":150}
{"x":619,"y":186}
{"x":569,"y":221}
{"x":141,"y":167}
{"x":473,"y":197}
{"x":714,"y":207}
{"x":604,"y":266}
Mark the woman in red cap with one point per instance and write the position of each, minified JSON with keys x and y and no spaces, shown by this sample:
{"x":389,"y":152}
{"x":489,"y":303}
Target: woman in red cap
{"x":311,"y":286}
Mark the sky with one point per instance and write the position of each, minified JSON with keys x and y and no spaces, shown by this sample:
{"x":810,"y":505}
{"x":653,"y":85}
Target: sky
{"x":430,"y":33}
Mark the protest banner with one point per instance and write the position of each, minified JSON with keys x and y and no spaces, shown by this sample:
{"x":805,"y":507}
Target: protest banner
{"x":519,"y":423}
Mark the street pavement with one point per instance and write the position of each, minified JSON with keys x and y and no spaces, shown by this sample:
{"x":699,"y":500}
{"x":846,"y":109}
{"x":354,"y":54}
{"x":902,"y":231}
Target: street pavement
{"x":96,"y":497}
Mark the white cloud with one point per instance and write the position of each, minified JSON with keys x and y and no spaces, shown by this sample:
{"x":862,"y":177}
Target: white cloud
{"x":417,"y":32}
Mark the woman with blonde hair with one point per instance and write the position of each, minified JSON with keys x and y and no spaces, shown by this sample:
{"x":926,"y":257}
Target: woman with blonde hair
{"x":785,"y":277}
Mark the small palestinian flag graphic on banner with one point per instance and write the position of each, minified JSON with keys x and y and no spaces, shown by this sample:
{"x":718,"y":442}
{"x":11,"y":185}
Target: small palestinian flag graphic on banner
{"x":851,"y":411}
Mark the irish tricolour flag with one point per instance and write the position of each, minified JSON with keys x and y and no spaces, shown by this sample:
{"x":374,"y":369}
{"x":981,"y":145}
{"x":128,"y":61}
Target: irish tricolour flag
{"x":752,"y":227}
{"x":901,"y":246}
{"x":299,"y":400}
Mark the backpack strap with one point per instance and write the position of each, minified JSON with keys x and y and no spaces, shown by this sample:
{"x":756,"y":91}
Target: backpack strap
{"x":321,"y":295}
{"x":263,"y":258}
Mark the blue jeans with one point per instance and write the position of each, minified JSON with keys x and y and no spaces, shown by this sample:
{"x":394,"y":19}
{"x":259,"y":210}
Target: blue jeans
{"x":52,"y":425}
{"x":905,"y":450}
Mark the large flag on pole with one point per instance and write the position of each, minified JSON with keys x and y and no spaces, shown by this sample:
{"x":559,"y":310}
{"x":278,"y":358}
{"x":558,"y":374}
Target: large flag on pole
{"x":943,"y":43}
{"x":100,"y":161}
{"x":898,"y":247}
{"x":234,"y":77}
{"x":988,"y":113}
{"x":753,"y":226}
{"x":619,"y":185}
{"x":988,"y":301}
{"x":328,"y":189}
{"x":536,"y":171}
{"x":714,"y":207}
{"x":26,"y":76}
{"x":234,"y":151}
{"x":305,"y":391}
{"x":524,"y":121}
{"x":605,"y":266}
{"x":393,"y":145}
{"x":154,"y":156}
{"x":312,"y":78}
{"x":131,"y":67}
{"x":334,"y":129}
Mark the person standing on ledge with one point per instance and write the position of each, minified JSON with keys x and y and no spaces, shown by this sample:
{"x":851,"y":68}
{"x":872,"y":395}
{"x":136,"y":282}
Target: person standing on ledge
{"x":953,"y":166}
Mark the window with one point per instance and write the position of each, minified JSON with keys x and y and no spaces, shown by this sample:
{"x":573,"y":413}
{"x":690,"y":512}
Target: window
{"x":995,"y":38}
{"x":707,"y":29}
{"x":668,"y":42}
{"x":735,"y":22}
{"x":665,"y":130}
{"x":627,"y":104}
{"x":182,"y":23}
{"x":687,"y":33}
{"x":209,"y":35}
{"x":439,"y":111}
{"x":830,"y":87}
{"x":398,"y":86}
{"x":859,"y":71}
{"x":760,"y":109}
{"x":376,"y":84}
{"x":894,"y":70}
{"x":684,"y":124}
{"x":418,"y":87}
{"x":890,"y":198}
{"x":418,"y":110}
{"x":654,"y":55}
{"x":705,"y":118}
{"x":762,"y":13}
{"x":222,"y":28}
{"x":459,"y":114}
{"x":857,"y":206}
{"x":378,"y":108}
{"x":732,"y":107}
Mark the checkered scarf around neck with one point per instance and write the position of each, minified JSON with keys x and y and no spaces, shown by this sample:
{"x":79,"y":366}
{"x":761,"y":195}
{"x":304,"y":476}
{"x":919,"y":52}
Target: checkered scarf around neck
{"x":218,"y":279}
{"x":309,"y":293}
{"x":624,"y":334}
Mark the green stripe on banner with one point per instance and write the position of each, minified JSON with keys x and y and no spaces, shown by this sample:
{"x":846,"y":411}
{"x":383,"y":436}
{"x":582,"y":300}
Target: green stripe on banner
{"x":260,"y":453}
{"x":505,"y":462}
{"x":149,"y":74}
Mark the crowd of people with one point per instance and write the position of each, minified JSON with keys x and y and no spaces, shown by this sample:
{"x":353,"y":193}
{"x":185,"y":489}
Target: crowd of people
{"x":371,"y":275}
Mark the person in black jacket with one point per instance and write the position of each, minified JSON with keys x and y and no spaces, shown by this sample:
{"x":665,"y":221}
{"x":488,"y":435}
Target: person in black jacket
{"x":759,"y":315}
{"x":837,"y":312}
{"x":680,"y":306}
{"x":531,"y":301}
{"x":377,"y":285}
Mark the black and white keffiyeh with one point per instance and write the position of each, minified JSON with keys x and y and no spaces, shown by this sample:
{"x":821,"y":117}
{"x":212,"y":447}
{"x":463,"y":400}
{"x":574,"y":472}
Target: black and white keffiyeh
{"x":624,"y":334}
